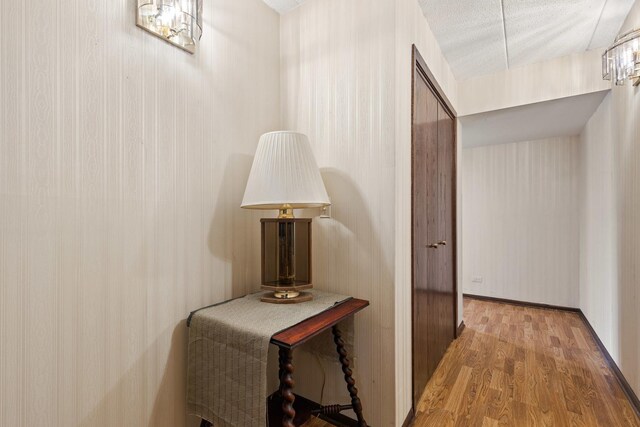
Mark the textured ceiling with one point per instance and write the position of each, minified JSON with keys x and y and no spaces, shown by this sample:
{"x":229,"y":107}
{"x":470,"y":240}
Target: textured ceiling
{"x":283,"y":6}
{"x":560,"y":117}
{"x":484,"y":36}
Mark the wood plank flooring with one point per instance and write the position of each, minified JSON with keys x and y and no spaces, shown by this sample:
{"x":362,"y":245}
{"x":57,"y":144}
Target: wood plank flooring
{"x":521,"y":366}
{"x":518,"y":367}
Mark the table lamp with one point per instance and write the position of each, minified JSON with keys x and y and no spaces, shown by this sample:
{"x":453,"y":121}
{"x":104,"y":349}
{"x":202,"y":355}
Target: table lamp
{"x":285,"y":176}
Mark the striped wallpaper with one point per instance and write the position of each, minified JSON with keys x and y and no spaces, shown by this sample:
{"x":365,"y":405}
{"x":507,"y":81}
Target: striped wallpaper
{"x":610,"y":229}
{"x":122,"y":166}
{"x":337,"y":87}
{"x":521,"y":221}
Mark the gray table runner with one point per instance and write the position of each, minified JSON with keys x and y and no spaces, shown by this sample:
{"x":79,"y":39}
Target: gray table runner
{"x":227,"y":355}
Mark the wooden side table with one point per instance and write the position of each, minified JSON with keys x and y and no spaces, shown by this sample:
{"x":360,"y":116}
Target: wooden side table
{"x":289,"y":410}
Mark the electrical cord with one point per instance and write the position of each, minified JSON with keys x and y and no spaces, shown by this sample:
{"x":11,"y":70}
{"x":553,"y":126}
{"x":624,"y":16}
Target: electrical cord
{"x":324,"y":377}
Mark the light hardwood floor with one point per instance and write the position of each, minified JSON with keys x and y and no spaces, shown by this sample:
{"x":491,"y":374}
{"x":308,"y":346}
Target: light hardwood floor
{"x":521,"y":366}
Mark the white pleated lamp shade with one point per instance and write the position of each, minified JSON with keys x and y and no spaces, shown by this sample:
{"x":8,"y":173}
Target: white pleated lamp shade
{"x":284,"y":172}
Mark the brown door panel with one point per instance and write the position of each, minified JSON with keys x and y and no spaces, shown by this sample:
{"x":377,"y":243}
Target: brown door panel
{"x":433,"y":232}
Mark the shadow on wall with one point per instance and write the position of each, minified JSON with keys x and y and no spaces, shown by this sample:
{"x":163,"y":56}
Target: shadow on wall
{"x":349,"y":259}
{"x":173,"y":386}
{"x":169,"y":405}
{"x":230,"y":240}
{"x":234,"y":233}
{"x":350,"y":222}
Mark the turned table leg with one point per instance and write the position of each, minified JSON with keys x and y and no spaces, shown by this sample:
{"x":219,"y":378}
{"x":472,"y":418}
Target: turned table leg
{"x":348,"y":376}
{"x":286,"y":387}
{"x":281,"y":361}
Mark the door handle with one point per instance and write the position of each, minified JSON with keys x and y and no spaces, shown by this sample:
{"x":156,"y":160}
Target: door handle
{"x":443,"y":243}
{"x":432,"y":246}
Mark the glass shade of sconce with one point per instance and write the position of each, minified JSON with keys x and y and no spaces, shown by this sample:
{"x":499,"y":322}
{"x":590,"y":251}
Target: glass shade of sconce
{"x":621,"y":61}
{"x":178,"y":22}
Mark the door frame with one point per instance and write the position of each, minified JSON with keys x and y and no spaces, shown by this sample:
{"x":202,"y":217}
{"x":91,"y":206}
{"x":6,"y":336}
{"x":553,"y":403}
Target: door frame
{"x":419,"y":69}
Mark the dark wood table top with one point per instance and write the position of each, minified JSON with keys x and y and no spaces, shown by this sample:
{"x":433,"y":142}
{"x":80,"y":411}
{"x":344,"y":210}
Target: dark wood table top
{"x":307,"y":329}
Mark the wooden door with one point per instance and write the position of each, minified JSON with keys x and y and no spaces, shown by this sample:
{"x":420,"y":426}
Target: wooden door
{"x":434,"y":292}
{"x":425,"y":232}
{"x":444,"y":299}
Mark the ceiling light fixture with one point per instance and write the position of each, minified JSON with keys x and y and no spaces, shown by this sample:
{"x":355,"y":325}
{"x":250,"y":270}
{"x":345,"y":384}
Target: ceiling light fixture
{"x":622,"y":60}
{"x":177,"y":21}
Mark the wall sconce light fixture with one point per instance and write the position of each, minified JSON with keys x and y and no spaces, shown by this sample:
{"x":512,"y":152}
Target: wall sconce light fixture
{"x":177,"y":21}
{"x":622,"y":60}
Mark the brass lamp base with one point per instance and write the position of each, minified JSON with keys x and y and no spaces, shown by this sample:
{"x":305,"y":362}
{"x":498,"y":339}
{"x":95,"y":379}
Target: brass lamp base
{"x":287,"y":294}
{"x":273,"y":299}
{"x":286,"y":258}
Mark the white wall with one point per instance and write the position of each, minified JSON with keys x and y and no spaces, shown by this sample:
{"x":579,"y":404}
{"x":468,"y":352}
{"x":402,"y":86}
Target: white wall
{"x":610,"y":239}
{"x":569,"y":75}
{"x":338,"y":88}
{"x":123,"y":162}
{"x":520,"y":221}
{"x":598,"y":236}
